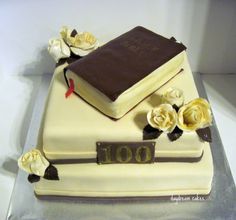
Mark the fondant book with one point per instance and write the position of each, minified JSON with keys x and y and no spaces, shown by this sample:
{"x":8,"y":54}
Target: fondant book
{"x":125,"y":65}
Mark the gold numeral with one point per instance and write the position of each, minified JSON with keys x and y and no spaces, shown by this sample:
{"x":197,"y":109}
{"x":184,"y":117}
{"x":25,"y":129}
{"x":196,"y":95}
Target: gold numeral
{"x":138,"y":154}
{"x":119,"y":155}
{"x":107,"y":154}
{"x":125,"y":154}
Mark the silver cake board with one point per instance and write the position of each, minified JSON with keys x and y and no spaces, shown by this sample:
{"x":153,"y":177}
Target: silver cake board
{"x":219,"y":205}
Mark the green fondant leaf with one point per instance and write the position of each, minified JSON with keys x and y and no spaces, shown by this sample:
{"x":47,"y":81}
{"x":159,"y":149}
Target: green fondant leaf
{"x":150,"y":133}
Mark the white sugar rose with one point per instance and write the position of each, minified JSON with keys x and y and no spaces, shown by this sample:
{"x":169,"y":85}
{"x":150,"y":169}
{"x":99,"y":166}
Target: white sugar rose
{"x":33,"y":162}
{"x":173,"y":96}
{"x":195,"y":115}
{"x":163,"y":117}
{"x":58,"y":49}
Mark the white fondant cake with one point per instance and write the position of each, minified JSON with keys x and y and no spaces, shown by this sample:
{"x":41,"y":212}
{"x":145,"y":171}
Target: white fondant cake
{"x":124,"y":180}
{"x":158,"y":148}
{"x":72,"y":127}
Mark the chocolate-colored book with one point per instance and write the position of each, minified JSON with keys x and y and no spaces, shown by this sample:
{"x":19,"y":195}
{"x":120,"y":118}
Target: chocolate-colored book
{"x":117,"y":76}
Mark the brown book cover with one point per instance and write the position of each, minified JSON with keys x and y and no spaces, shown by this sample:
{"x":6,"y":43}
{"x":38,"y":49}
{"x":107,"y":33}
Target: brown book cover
{"x":122,"y":62}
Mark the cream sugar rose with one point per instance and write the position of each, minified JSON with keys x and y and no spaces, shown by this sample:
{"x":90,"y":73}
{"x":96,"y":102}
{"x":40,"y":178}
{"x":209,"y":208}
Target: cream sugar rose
{"x":80,"y":44}
{"x":33,"y":162}
{"x":192,"y":116}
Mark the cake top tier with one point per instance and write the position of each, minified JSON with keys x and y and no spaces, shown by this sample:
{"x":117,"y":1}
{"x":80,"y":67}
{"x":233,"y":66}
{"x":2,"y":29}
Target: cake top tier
{"x":125,"y":60}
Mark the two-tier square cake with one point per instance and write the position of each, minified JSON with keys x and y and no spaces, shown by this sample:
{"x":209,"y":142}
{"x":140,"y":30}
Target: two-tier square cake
{"x":121,"y":120}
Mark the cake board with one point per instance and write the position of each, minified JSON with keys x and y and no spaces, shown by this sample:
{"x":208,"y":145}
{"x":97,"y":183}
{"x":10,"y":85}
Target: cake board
{"x":219,"y":205}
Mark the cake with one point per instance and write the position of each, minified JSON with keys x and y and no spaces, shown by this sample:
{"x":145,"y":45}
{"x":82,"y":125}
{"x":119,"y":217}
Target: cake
{"x":115,"y":127}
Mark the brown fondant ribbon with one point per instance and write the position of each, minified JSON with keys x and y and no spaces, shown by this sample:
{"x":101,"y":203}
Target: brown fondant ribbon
{"x":71,"y":88}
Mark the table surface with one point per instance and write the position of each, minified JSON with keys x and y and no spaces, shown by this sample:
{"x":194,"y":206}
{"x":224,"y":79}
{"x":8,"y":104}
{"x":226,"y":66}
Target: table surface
{"x":17,"y":108}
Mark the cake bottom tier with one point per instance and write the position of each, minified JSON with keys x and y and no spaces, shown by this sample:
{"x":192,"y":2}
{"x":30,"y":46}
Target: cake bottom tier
{"x":131,"y":180}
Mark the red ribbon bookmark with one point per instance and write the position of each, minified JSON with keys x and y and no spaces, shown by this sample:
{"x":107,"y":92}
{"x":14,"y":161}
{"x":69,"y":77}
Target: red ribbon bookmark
{"x":71,"y":88}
